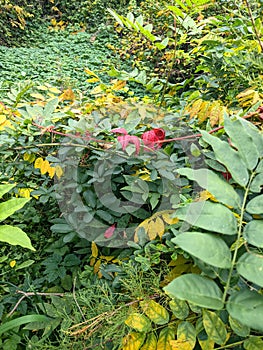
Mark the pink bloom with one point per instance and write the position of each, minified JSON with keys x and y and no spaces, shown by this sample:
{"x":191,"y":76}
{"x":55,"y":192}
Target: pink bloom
{"x":126,"y":139}
{"x":152,"y":137}
{"x":109,"y":232}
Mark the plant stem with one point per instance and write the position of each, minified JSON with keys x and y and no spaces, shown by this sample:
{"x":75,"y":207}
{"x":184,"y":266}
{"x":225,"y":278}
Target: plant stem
{"x":254,"y":24}
{"x":238,"y":239}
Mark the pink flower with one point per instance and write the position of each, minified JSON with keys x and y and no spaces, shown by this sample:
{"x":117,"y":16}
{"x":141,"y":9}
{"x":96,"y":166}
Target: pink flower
{"x":109,"y":232}
{"x":152,"y":137}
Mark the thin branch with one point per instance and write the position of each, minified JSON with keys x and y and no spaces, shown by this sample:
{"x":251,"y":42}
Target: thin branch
{"x":75,"y":299}
{"x":29,"y":294}
{"x":254,"y":24}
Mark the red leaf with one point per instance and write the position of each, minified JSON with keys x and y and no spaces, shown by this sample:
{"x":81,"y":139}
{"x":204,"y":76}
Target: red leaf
{"x":150,"y":138}
{"x":109,"y":232}
{"x":126,"y":139}
{"x":120,"y":131}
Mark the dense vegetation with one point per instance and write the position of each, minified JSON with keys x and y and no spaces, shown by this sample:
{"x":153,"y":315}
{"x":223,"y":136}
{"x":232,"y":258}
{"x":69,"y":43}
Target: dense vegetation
{"x":131,"y":174}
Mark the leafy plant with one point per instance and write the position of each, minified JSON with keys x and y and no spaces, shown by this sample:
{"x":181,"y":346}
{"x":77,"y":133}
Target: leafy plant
{"x":10,"y":234}
{"x":230,"y":225}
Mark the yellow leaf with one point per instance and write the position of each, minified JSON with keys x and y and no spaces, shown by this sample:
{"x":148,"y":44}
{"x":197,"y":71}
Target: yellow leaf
{"x":168,"y":219}
{"x":42,"y":87}
{"x":96,"y":267}
{"x":67,"y":95}
{"x":59,"y":171}
{"x":44,"y":167}
{"x":93,"y":80}
{"x":89,"y":72}
{"x":38,"y":163}
{"x":133,"y":341}
{"x":156,"y":312}
{"x":92,"y":261}
{"x":150,"y":342}
{"x":38,"y":96}
{"x":205,"y":195}
{"x":138,"y":322}
{"x":159,"y":227}
{"x":119,"y":85}
{"x":25,"y":192}
{"x":12,"y":263}
{"x":94,"y":250}
{"x":166,"y":335}
{"x":51,"y":172}
{"x":2,"y":118}
{"x":186,"y":336}
{"x":54,"y":90}
{"x":151,"y":230}
{"x":216,"y":112}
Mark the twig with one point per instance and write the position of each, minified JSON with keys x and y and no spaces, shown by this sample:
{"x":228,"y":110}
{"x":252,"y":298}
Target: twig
{"x":254,"y":25}
{"x":75,"y":299}
{"x":29,"y":294}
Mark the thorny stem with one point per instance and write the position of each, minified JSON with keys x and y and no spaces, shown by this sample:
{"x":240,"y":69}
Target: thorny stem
{"x":238,"y":239}
{"x":254,"y":24}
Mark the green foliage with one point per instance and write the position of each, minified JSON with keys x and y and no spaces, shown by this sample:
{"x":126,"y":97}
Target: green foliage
{"x":10,"y":234}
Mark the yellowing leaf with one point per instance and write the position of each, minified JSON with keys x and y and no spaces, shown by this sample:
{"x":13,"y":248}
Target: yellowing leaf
{"x":29,"y":157}
{"x":133,"y":341}
{"x":38,"y":96}
{"x":12,"y":263}
{"x":159,"y":226}
{"x":38,"y":163}
{"x":24,"y":192}
{"x":151,"y":230}
{"x":2,"y":118}
{"x":67,"y":95}
{"x":138,"y":322}
{"x":214,"y":327}
{"x":186,"y":336}
{"x":44,"y":167}
{"x":150,"y":342}
{"x":156,"y":312}
{"x":93,"y":80}
{"x":119,"y":84}
{"x":248,"y":97}
{"x":89,"y":72}
{"x":94,"y":250}
{"x":97,"y":266}
{"x":166,"y":335}
{"x":207,"y":344}
{"x":51,"y":172}
{"x":54,"y":90}
{"x":59,"y":171}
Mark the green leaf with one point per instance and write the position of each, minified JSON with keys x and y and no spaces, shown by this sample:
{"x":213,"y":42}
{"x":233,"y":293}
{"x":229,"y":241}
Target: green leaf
{"x":162,"y":45}
{"x":226,"y":155}
{"x":197,"y":290}
{"x":150,"y":342}
{"x":242,"y":141}
{"x":177,"y":11}
{"x":210,"y":181}
{"x":246,"y":306}
{"x":253,"y":233}
{"x":239,"y":329}
{"x":139,"y":322}
{"x":209,"y":216}
{"x":146,"y":33}
{"x":180,"y":3}
{"x":166,"y":335}
{"x":196,"y":243}
{"x":255,"y":206}
{"x":179,"y":308}
{"x":214,"y":327}
{"x":11,"y":206}
{"x":5,"y":188}
{"x":156,"y":312}
{"x":22,"y":320}
{"x":250,"y":266}
{"x":186,"y":333}
{"x":253,"y":343}
{"x":15,"y":236}
{"x":50,"y":108}
{"x":257,"y":183}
